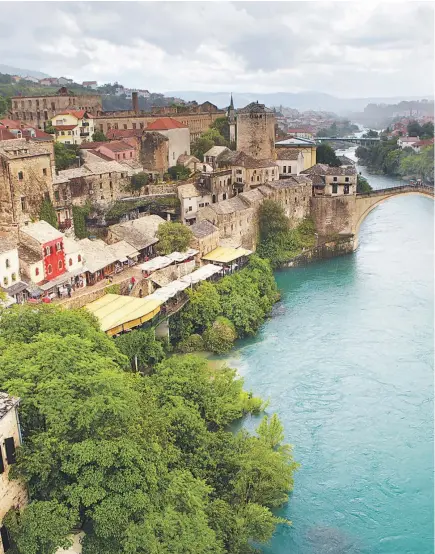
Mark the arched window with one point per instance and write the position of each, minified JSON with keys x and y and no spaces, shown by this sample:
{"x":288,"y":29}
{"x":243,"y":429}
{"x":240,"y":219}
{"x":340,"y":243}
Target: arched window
{"x":70,"y":261}
{"x":37,"y":271}
{"x":60,"y":264}
{"x":8,"y":263}
{"x":79,"y":258}
{"x":49,"y":269}
{"x":48,"y":250}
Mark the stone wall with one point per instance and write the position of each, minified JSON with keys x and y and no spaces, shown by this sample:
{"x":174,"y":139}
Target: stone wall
{"x":154,"y":153}
{"x":162,"y":189}
{"x":205,"y":244}
{"x":333,"y":215}
{"x":329,"y":249}
{"x":256,"y":134}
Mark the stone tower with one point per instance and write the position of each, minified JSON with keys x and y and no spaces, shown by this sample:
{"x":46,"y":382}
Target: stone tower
{"x":256,"y":131}
{"x":232,"y":121}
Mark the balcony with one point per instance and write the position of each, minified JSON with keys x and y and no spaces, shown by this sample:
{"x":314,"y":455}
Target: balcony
{"x":84,"y":132}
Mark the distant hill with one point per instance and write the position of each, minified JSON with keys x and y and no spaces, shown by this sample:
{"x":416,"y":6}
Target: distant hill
{"x":301,"y":101}
{"x":22,"y":72}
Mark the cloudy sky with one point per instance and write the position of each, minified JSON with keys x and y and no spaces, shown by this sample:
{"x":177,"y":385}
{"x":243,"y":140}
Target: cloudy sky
{"x":354,"y":49}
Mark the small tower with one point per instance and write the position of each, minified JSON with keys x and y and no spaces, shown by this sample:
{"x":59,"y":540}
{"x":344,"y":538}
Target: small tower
{"x":232,"y":120}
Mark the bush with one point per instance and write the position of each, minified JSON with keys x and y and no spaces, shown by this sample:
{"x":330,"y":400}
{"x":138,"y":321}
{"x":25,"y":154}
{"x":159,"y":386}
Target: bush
{"x":179,"y":172}
{"x":113,"y":289}
{"x":173,"y":237}
{"x":194,"y":343}
{"x":80,"y":213}
{"x":220,"y":337}
{"x":99,"y":136}
{"x":139,"y":181}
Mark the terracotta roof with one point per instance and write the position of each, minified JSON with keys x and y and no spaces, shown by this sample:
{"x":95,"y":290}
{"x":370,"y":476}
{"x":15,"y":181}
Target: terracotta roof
{"x":426,"y":142}
{"x":64,"y":127}
{"x":36,"y":134}
{"x":76,"y":113}
{"x":121,"y":133}
{"x":11,"y":123}
{"x":90,"y":145}
{"x":165,"y":124}
{"x":203,"y":229}
{"x":116,"y":146}
{"x":5,"y":134}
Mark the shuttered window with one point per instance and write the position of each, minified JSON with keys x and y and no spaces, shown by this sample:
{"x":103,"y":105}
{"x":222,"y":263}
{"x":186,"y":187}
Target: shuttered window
{"x":10,"y":450}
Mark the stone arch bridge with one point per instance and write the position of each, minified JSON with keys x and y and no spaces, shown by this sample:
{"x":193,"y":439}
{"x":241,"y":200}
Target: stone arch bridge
{"x":366,"y":202}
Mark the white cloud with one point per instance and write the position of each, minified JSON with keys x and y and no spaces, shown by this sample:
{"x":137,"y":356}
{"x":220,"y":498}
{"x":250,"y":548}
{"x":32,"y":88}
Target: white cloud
{"x":346,"y":49}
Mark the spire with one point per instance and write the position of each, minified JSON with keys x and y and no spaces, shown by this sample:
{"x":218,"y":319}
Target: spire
{"x":231,"y":103}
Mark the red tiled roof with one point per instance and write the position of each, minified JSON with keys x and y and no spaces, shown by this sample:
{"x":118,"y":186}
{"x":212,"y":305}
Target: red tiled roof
{"x":11,"y":123}
{"x":5,"y":134}
{"x":116,"y":146}
{"x":164,"y":124}
{"x":121,"y":133}
{"x":64,"y":127}
{"x":425,"y":142}
{"x":90,"y":145}
{"x":38,"y":134}
{"x":76,"y":113}
{"x":102,"y":156}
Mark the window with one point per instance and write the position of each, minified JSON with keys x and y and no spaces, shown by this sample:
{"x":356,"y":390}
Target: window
{"x":123,"y":155}
{"x":134,"y":125}
{"x":56,"y":195}
{"x":346,"y":179}
{"x":214,"y":199}
{"x":141,"y":125}
{"x":79,"y":258}
{"x":201,"y":205}
{"x":101,"y":186}
{"x":58,"y":246}
{"x":131,"y":154}
{"x":49,"y":269}
{"x":224,"y":196}
{"x":44,"y":171}
{"x":23,"y":203}
{"x":125,"y":126}
{"x":116,"y":125}
{"x":252,"y":178}
{"x":173,"y":155}
{"x":20,"y":175}
{"x":289,"y":169}
{"x":14,"y":277}
{"x":102,"y":197}
{"x":334,"y":188}
{"x":285,"y":169}
{"x":5,"y":538}
{"x":335,"y":178}
{"x":5,"y":281}
{"x":258,"y":177}
{"x":190,"y":208}
{"x":8,"y":263}
{"x":10,"y":450}
{"x":48,"y":250}
{"x":346,"y":189}
{"x":36,"y":271}
{"x":60,"y":264}
{"x":70,"y":262}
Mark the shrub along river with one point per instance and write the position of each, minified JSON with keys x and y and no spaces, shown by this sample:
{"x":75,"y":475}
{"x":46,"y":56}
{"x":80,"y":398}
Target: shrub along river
{"x":347,"y":363}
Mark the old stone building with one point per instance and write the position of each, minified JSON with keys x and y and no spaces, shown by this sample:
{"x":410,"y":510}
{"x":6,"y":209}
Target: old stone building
{"x":25,"y":179}
{"x":205,"y":238}
{"x":290,"y":162}
{"x":247,"y":172}
{"x":192,"y":198}
{"x":307,"y":147}
{"x":256,"y":131}
{"x":13,"y":494}
{"x":154,"y":153}
{"x":219,"y":183}
{"x":38,"y":110}
{"x":332,"y":181}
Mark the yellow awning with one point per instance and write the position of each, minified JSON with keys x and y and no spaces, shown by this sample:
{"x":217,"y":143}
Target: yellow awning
{"x":117,"y":313}
{"x":225,"y":254}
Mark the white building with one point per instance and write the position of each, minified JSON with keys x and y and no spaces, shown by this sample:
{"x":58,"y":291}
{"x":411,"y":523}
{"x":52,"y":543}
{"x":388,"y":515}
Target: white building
{"x":290,"y":162}
{"x":9,"y":263}
{"x":13,"y":493}
{"x":192,"y":198}
{"x":178,"y":135}
{"x":407,"y":142}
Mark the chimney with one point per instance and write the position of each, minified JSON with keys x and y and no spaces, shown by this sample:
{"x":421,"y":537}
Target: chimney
{"x":135,"y":102}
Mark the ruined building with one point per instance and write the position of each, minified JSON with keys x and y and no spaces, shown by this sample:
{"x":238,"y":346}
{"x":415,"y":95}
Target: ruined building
{"x":39,"y":110}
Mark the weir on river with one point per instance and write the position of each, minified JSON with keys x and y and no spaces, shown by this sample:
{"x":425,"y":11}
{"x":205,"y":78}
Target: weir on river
{"x":346,"y":362}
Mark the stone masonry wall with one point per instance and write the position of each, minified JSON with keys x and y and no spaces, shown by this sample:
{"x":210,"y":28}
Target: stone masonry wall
{"x":256,"y":134}
{"x":333,"y":215}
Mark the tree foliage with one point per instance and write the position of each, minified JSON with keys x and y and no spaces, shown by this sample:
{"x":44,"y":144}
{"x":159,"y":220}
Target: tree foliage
{"x":325,"y":155}
{"x":363,"y":185}
{"x":179,"y":172}
{"x":143,"y":463}
{"x":424,"y":131}
{"x":217,"y":135}
{"x":99,"y":136}
{"x":141,"y":348}
{"x":65,"y":155}
{"x":138,"y":181}
{"x":173,"y":237}
{"x":279,"y":243}
{"x":80,"y":213}
{"x":48,"y":213}
{"x":220,"y":337}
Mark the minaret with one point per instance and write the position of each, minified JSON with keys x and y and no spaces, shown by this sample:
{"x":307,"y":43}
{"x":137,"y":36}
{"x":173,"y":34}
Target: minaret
{"x":232,"y":121}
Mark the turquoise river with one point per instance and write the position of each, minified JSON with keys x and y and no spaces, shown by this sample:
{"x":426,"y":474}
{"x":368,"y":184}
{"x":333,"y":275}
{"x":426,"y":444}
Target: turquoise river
{"x":347,"y":363}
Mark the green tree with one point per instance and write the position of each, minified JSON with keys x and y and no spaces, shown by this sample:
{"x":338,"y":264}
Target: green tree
{"x":48,"y":213}
{"x":50,"y":129}
{"x":179,"y":172}
{"x":371,"y":134}
{"x":222,"y":127}
{"x":272,"y":219}
{"x":80,"y":213}
{"x":141,"y":348}
{"x":363,"y":185}
{"x":173,"y":237}
{"x":138,"y":181}
{"x":220,"y":337}
{"x":414,"y":129}
{"x":4,"y":105}
{"x":325,"y":155}
{"x":427,"y":130}
{"x":65,"y":155}
{"x":99,"y":136}
{"x":200,"y":146}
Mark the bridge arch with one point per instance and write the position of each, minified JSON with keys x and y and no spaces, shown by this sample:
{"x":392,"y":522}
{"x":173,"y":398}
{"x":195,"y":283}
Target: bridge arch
{"x":366,"y":202}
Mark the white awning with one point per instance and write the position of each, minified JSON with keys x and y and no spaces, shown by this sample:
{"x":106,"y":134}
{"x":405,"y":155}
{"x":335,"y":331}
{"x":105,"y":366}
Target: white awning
{"x":201,"y":274}
{"x":181,"y":256}
{"x":156,"y":263}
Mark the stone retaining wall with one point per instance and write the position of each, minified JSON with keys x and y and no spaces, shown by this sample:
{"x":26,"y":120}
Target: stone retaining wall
{"x":329,"y":249}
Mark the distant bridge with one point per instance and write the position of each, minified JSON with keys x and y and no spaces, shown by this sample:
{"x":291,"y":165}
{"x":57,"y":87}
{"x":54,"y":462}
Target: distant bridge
{"x":367,"y":201}
{"x":353,"y":140}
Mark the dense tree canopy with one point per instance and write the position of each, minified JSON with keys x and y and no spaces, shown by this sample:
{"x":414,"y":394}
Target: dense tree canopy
{"x":99,"y":136}
{"x":173,"y":237}
{"x":325,"y":155}
{"x":217,"y":135}
{"x":179,"y":172}
{"x":145,"y":465}
{"x":65,"y":155}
